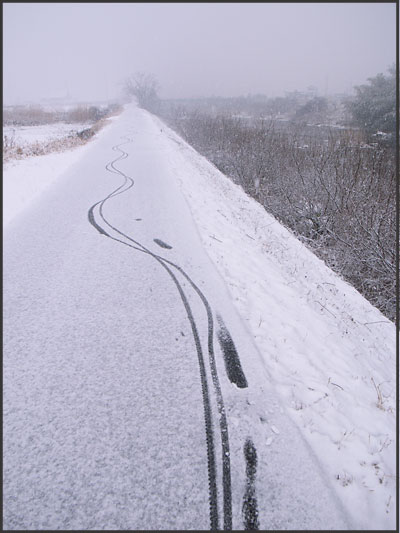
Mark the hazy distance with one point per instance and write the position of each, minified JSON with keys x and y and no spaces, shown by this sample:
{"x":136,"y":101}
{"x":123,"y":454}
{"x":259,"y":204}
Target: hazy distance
{"x":85,"y":51}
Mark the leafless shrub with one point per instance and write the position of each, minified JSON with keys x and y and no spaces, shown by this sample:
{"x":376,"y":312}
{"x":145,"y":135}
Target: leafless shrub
{"x":85,"y":114}
{"x":36,"y":115}
{"x":27,"y":116}
{"x":8,"y":143}
{"x":42,"y":148}
{"x":336,"y":192}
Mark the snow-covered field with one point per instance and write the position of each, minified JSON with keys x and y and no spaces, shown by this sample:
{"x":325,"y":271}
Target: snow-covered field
{"x":24,"y":179}
{"x":330,"y":353}
{"x":25,"y":135}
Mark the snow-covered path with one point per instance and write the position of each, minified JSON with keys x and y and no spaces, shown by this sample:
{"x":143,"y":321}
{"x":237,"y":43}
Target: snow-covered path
{"x":125,"y":404}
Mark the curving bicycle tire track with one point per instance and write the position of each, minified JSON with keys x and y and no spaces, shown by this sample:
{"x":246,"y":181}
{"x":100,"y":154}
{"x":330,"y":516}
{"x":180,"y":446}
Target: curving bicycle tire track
{"x":166,"y":264}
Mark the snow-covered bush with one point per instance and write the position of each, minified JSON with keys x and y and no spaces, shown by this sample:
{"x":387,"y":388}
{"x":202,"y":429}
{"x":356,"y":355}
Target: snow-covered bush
{"x":336,"y":192}
{"x":374,"y":106}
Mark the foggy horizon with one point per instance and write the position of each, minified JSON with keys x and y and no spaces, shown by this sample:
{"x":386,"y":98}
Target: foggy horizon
{"x":86,"y":51}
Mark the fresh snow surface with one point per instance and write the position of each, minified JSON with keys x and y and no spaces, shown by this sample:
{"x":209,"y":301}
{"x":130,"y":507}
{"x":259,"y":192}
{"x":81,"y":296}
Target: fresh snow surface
{"x":25,"y":179}
{"x":329,"y":353}
{"x":25,"y":135}
{"x":114,"y":416}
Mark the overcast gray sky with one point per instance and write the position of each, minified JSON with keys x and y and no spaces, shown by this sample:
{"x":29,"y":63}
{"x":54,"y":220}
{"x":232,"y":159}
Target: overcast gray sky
{"x":193,"y":49}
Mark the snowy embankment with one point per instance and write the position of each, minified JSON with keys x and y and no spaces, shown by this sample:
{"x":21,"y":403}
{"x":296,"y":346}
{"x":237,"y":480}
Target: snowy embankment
{"x":330,"y":353}
{"x":26,"y":178}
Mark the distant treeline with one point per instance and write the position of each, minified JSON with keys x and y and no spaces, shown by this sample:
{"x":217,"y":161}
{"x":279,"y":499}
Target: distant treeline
{"x":297,"y":106}
{"x":36,"y":115}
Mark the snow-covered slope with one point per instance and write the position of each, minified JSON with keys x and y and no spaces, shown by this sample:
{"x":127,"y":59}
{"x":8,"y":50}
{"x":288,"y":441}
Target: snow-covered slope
{"x":330,"y":354}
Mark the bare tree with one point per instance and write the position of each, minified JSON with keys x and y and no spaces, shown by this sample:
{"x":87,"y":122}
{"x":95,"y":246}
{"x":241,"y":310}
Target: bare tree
{"x":143,"y":87}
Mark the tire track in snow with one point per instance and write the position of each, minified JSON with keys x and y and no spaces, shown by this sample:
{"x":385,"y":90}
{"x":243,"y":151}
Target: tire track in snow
{"x":162,"y":244}
{"x":250,"y":507}
{"x":231,"y":357}
{"x":226,"y":471}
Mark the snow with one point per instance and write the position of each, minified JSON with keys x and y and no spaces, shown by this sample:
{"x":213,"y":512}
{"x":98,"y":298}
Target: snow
{"x":24,"y":180}
{"x":329,"y":353}
{"x":24,"y":135}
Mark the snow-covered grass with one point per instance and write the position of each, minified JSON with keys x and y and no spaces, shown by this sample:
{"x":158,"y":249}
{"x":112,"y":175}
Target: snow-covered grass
{"x":330,"y":353}
{"x":20,"y":142}
{"x":25,"y":135}
{"x":40,"y":155}
{"x":30,"y":130}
